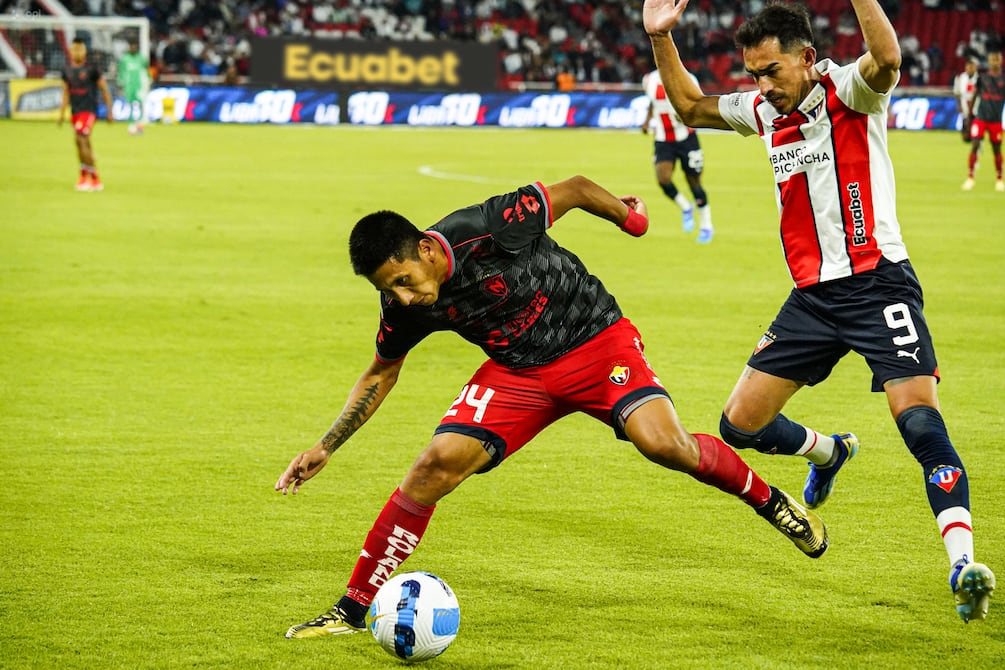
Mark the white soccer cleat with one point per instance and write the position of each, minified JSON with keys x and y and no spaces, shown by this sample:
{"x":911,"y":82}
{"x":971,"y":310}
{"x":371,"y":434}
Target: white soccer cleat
{"x":1000,"y":186}
{"x":968,"y":185}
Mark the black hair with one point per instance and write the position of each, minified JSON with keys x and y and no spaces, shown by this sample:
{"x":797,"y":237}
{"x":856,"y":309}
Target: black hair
{"x":79,"y":40}
{"x":380,"y":237}
{"x":789,"y":22}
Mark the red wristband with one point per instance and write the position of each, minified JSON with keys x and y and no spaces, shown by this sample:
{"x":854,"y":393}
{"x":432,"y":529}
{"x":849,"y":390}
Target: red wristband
{"x":636,"y":224}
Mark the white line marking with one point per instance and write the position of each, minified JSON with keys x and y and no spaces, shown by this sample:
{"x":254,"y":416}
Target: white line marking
{"x":430,"y":171}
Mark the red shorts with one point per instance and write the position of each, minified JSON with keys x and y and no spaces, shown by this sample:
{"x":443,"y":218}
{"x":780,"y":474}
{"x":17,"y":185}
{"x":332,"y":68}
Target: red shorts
{"x":979,"y":127}
{"x":83,"y":122}
{"x":607,"y":378}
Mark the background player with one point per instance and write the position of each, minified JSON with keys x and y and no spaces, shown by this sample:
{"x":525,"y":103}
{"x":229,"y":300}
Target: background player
{"x":134,"y":78}
{"x":557,"y":343}
{"x":986,"y":110}
{"x":824,"y":126}
{"x":963,"y":91}
{"x":81,"y":83}
{"x":675,"y":141}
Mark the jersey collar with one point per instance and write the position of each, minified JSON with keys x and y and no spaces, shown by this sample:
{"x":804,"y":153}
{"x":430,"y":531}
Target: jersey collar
{"x":447,"y":250}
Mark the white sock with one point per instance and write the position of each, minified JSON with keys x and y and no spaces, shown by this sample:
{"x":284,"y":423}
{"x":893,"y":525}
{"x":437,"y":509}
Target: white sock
{"x":957,"y":533}
{"x":705,"y":217}
{"x":683,"y":202}
{"x":818,"y":448}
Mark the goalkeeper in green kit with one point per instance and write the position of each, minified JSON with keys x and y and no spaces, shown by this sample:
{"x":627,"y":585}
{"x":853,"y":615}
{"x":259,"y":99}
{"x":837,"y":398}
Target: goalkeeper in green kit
{"x":134,"y":78}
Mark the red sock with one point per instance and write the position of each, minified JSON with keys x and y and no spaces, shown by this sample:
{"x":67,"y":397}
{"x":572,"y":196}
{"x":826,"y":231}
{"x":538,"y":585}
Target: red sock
{"x":722,"y":468}
{"x":393,"y":538}
{"x":971,"y":162}
{"x":998,"y":164}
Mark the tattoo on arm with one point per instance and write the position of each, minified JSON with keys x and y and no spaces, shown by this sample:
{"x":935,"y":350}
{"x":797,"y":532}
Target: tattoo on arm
{"x":350,"y":420}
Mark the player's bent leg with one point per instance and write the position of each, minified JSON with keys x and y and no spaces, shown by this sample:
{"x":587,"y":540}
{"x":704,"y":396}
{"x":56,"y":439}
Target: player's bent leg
{"x":657,"y":433}
{"x":440,"y":468}
{"x":659,"y":436}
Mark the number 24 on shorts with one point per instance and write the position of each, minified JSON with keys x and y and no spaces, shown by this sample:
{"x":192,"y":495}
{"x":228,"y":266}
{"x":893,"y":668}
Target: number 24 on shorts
{"x":470,"y":397}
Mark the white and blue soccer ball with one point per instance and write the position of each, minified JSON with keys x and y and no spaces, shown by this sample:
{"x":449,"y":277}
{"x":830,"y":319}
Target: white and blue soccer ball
{"x":414,"y":616}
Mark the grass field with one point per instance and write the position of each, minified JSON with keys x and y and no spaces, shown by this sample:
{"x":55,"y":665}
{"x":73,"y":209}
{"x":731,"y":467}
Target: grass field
{"x":171,"y":343}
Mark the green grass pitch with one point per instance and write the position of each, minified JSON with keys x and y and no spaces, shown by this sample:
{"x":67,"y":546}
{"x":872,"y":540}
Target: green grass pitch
{"x":170,"y":344}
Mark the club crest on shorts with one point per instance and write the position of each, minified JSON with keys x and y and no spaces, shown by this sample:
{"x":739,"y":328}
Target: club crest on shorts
{"x":620,"y":374}
{"x":766,"y":339}
{"x":945,"y":477}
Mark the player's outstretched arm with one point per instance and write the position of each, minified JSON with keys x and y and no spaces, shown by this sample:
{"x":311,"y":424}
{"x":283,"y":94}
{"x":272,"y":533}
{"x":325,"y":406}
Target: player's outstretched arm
{"x":881,"y":62}
{"x":695,"y":108}
{"x":364,"y":399}
{"x":627,"y":212}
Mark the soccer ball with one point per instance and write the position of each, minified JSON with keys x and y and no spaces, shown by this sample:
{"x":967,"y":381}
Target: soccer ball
{"x":414,"y":616}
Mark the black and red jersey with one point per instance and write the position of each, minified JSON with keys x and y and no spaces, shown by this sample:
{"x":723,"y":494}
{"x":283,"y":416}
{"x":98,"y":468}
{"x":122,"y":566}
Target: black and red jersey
{"x":83,"y":83}
{"x":510,"y":288}
{"x":989,"y":96}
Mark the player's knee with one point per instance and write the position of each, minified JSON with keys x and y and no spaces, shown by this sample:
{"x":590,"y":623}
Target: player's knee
{"x":737,"y":437}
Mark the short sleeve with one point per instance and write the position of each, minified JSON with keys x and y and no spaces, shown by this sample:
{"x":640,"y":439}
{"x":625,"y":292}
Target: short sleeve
{"x":517,"y":219}
{"x":739,"y":110}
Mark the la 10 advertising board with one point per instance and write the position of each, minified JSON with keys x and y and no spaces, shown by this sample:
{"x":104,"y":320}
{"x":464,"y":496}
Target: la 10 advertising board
{"x":40,"y":99}
{"x":512,"y":110}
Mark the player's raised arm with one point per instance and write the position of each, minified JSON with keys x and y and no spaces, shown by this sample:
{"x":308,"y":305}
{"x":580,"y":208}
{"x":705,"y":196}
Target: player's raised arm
{"x":881,"y":62}
{"x":695,"y":108}
{"x":364,"y":399}
{"x":627,"y":212}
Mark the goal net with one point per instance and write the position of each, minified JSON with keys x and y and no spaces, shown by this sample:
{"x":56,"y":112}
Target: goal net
{"x":36,"y":46}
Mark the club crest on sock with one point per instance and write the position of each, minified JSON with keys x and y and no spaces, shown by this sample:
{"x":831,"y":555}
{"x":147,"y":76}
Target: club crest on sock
{"x":945,"y":477}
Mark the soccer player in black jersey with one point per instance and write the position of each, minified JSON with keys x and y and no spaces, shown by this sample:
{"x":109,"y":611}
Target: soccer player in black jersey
{"x":556,"y":342}
{"x":986,"y":114}
{"x":81,"y":82}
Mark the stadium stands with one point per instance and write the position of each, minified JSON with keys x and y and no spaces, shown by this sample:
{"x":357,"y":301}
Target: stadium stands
{"x":599,"y":41}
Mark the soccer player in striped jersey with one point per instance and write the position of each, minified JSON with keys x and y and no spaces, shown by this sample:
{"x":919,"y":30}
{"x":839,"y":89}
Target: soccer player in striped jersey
{"x":674,"y":141}
{"x":557,"y":343}
{"x":824,"y":127}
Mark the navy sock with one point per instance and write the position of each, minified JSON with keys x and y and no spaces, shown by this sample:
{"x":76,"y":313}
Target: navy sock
{"x":925,"y":434}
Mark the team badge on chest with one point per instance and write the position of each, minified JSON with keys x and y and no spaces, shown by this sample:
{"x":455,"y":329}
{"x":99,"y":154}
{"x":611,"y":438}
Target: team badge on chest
{"x":496,"y":286}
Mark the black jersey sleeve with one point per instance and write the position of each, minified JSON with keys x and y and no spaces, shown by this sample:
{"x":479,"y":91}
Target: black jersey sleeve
{"x":517,"y":219}
{"x":398,"y":333}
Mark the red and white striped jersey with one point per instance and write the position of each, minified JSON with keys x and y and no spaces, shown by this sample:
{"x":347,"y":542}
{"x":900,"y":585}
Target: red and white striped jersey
{"x":666,"y":125}
{"x":834,"y":179}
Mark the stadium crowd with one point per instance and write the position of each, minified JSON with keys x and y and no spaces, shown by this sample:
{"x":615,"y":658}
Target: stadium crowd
{"x":595,"y":42}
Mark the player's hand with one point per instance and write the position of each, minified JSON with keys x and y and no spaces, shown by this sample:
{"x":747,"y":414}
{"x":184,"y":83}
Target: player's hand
{"x":659,"y":17}
{"x":302,"y":468}
{"x":634,"y":202}
{"x":637,"y":222}
{"x":59,"y":122}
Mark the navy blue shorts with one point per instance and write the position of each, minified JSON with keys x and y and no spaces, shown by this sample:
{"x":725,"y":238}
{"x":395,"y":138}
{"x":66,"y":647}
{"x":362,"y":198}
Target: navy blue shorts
{"x":877,"y":314}
{"x":688,"y":152}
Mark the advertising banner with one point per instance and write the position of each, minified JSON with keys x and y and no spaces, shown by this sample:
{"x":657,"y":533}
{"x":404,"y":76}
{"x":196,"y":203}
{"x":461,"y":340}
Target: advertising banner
{"x":442,"y":65}
{"x":41,"y":98}
{"x":511,"y":110}
{"x":35,"y":98}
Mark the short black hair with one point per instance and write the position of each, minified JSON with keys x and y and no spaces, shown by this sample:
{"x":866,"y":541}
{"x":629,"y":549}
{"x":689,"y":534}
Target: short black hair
{"x":79,"y":40}
{"x":380,"y":237}
{"x":789,"y":22}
